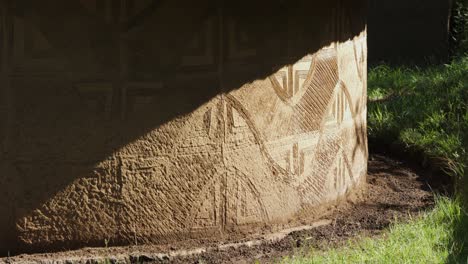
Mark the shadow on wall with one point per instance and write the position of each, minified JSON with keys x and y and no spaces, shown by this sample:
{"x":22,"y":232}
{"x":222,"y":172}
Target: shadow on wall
{"x":82,"y":79}
{"x":408,"y":31}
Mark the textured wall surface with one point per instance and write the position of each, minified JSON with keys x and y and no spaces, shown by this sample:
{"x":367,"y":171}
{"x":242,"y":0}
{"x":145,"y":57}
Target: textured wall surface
{"x":136,"y":121}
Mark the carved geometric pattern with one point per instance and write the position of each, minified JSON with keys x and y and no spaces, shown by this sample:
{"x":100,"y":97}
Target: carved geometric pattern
{"x":239,"y":133}
{"x":243,"y":203}
{"x":31,"y":49}
{"x":207,"y":214}
{"x":230,"y":186}
{"x":97,"y":97}
{"x":140,"y":95}
{"x":360,"y":56}
{"x":4,"y":122}
{"x":309,"y":111}
{"x":237,"y":120}
{"x":199,"y":51}
{"x":294,"y":154}
{"x":329,"y":161}
{"x":246,"y":203}
{"x":242,"y":44}
{"x":340,"y":108}
{"x":295,"y":160}
{"x":35,"y":43}
{"x":208,"y":121}
{"x":289,"y":82}
{"x":227,"y":134}
{"x":5,"y":31}
{"x":116,"y":11}
{"x":219,"y":149}
{"x":3,"y":41}
{"x":341,"y":175}
{"x":314,"y":88}
{"x":212,"y":122}
{"x":328,"y":148}
{"x":248,"y":206}
{"x":243,"y":133}
{"x":111,"y":183}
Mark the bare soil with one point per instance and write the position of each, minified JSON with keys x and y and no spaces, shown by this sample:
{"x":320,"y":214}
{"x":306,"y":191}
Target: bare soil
{"x":394,"y":191}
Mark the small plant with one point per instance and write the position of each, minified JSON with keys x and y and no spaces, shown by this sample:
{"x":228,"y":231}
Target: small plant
{"x":107,"y":260}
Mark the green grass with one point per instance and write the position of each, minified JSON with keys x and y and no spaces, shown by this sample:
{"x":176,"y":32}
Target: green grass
{"x":459,"y":28}
{"x":423,"y":109}
{"x":438,"y":236}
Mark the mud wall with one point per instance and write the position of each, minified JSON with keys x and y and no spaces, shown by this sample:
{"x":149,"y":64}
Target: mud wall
{"x":144,"y":122}
{"x":408,"y":30}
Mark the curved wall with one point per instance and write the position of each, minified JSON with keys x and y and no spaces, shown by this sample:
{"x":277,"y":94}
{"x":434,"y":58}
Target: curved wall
{"x":219,"y":122}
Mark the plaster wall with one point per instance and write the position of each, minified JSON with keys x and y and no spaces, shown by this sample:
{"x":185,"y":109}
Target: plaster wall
{"x":208,"y":121}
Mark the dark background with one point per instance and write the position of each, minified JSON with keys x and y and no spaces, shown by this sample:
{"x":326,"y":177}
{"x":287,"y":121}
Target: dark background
{"x":408,"y":31}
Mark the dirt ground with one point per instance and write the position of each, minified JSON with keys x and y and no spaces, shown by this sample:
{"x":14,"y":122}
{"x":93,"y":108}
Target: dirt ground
{"x":394,"y":191}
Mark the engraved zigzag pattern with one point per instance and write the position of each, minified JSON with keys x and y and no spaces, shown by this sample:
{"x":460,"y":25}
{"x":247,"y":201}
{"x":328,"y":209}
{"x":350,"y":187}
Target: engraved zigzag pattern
{"x":311,"y":108}
{"x":323,"y":162}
